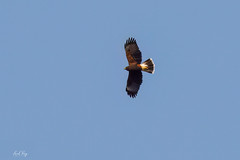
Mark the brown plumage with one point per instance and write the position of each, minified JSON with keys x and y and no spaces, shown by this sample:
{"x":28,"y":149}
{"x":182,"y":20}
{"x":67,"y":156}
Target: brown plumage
{"x":134,"y":55}
{"x":135,"y":68}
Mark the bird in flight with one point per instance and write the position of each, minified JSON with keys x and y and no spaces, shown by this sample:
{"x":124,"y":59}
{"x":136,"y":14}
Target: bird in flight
{"x":135,"y":68}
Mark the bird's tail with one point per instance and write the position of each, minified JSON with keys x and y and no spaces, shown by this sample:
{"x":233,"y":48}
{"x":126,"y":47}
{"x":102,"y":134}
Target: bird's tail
{"x":148,"y":66}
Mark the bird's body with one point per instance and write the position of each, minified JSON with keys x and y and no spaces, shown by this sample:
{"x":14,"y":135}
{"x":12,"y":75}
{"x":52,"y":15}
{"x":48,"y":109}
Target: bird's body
{"x":135,"y":68}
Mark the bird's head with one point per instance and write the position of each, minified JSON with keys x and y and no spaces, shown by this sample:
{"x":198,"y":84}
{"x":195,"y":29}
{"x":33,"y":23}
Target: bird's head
{"x":126,"y":68}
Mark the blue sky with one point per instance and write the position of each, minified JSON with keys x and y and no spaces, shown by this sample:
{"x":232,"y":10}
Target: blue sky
{"x":63,"y":84}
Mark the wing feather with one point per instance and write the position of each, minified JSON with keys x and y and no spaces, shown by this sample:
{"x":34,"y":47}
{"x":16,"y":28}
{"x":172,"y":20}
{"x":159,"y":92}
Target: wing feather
{"x":133,"y":83}
{"x":134,"y":55}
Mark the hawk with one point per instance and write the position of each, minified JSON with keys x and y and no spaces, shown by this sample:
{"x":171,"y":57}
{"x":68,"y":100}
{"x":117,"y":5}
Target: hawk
{"x":135,"y":68}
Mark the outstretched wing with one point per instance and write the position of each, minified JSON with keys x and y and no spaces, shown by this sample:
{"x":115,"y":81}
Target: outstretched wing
{"x":133,"y":83}
{"x":133,"y":53}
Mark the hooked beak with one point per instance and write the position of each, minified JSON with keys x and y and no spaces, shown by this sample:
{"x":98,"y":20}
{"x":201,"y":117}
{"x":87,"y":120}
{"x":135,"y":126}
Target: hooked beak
{"x":125,"y":68}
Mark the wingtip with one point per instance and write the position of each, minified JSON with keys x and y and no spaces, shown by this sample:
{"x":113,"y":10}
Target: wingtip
{"x":130,"y":40}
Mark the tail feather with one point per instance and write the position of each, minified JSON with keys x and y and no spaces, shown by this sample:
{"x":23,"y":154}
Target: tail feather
{"x":148,"y":66}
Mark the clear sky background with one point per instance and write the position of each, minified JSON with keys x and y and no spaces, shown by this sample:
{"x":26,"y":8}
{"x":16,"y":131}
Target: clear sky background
{"x":62,"y":82}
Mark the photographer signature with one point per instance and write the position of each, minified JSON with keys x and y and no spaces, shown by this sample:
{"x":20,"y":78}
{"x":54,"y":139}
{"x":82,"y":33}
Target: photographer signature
{"x":20,"y":153}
